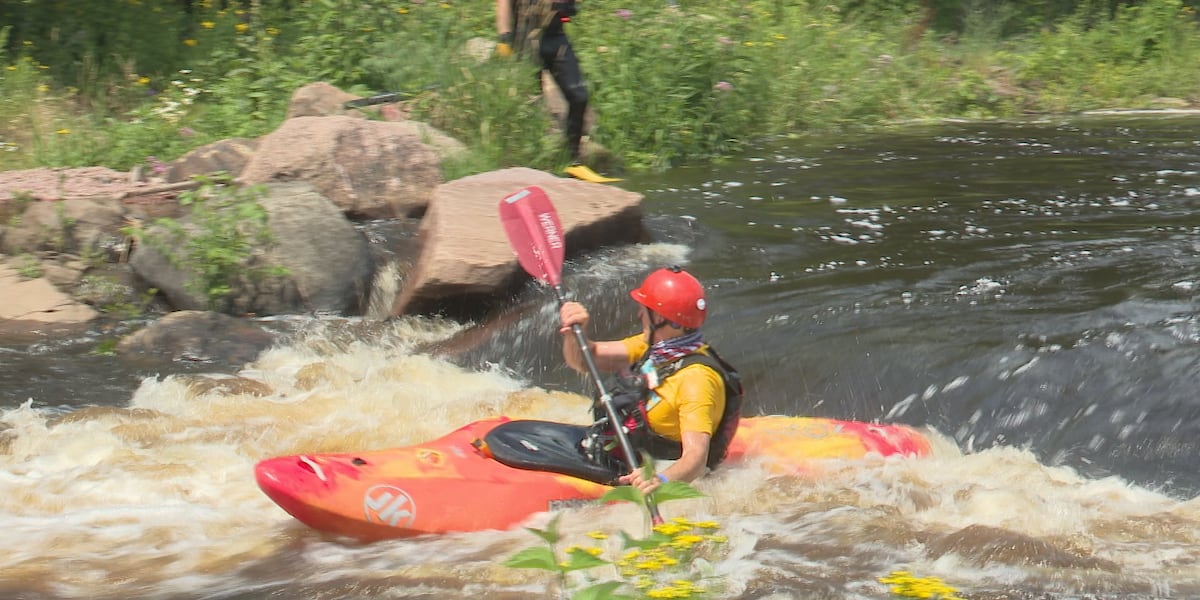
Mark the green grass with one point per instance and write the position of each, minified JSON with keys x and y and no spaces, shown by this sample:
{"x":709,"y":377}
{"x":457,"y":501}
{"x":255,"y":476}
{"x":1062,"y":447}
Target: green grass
{"x":668,"y":86}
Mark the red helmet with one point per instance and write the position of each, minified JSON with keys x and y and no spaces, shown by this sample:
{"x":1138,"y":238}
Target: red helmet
{"x":674,"y":294}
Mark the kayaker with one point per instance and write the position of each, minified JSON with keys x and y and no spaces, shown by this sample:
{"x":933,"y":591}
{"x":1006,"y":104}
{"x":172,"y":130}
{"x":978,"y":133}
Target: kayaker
{"x":534,"y":28}
{"x":687,"y":400}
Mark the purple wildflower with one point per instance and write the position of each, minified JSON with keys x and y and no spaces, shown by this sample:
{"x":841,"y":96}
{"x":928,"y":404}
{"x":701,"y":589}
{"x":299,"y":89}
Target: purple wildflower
{"x":158,"y":167}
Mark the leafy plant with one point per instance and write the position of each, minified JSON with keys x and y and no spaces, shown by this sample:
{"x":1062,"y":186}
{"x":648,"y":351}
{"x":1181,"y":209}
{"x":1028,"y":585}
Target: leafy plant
{"x":106,"y":347}
{"x":218,"y":248}
{"x":112,"y":297}
{"x":670,"y":562}
{"x":30,"y":267}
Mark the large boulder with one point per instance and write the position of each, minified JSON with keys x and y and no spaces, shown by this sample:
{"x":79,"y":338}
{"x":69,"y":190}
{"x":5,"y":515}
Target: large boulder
{"x":465,"y":263}
{"x":328,"y":266}
{"x":370,"y":169}
{"x":327,"y":259}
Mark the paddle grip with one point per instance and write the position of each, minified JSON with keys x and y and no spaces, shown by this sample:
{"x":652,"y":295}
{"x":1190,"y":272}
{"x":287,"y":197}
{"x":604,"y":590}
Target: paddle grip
{"x":606,"y":402}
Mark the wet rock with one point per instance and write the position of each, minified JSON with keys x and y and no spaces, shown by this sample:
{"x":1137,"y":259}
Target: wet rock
{"x":195,"y":336}
{"x":983,"y":546}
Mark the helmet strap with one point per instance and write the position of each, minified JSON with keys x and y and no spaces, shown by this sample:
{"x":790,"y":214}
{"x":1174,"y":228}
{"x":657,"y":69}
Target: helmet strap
{"x":655,"y":325}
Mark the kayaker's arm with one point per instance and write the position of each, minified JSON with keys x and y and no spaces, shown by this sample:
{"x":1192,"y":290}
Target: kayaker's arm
{"x":692,"y":463}
{"x":609,"y":356}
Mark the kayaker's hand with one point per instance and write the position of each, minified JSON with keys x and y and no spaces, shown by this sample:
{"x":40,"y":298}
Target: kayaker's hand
{"x":571,"y":314}
{"x":644,"y":486}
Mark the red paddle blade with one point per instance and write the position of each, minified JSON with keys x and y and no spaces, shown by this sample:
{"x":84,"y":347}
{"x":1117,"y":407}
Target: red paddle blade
{"x":534,"y":232}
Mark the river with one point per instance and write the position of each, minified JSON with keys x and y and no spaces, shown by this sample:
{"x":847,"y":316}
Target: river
{"x":1026,"y":291}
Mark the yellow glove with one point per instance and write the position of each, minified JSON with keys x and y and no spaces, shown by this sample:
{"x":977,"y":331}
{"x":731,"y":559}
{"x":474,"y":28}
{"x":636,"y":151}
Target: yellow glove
{"x":504,"y":44}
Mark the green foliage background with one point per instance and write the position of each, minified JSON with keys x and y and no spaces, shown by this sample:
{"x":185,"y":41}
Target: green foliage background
{"x":119,"y":82}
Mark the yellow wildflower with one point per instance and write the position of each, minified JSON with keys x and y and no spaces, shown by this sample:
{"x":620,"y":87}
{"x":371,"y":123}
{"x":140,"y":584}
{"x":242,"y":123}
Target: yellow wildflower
{"x":63,"y":131}
{"x":598,"y":535}
{"x":402,"y":10}
{"x":143,"y":80}
{"x":649,"y":565}
{"x":207,"y":24}
{"x":683,"y":542}
{"x":190,"y":43}
{"x":43,"y":88}
{"x":241,"y":27}
{"x":670,"y":529}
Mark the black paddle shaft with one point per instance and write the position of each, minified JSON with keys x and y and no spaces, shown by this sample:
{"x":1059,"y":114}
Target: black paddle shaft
{"x":606,"y":402}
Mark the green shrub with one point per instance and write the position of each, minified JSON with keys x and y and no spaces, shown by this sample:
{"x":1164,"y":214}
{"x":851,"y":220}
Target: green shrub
{"x":218,"y":249}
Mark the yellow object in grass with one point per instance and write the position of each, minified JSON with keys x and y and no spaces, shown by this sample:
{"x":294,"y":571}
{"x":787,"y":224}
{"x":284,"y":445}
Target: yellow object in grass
{"x":585,"y":173}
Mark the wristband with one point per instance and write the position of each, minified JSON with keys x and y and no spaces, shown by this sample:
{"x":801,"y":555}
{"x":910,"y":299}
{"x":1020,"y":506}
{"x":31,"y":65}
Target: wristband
{"x":661,"y":477}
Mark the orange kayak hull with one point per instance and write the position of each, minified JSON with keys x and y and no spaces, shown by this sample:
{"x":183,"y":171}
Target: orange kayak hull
{"x":449,"y":484}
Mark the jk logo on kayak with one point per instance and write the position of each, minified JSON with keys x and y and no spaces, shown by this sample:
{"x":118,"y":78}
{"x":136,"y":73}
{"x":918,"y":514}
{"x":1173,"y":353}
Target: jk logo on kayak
{"x":389,"y":505}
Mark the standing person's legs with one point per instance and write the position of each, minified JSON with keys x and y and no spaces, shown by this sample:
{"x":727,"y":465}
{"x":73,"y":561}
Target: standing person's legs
{"x":559,"y":58}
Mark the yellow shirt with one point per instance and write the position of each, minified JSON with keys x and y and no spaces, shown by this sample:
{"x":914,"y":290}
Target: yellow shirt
{"x":692,"y":399}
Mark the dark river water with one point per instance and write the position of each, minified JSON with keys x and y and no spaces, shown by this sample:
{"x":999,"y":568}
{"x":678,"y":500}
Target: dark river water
{"x":1026,"y":291}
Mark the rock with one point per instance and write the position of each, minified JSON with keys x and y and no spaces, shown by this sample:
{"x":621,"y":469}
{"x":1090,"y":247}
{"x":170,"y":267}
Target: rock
{"x":465,"y":261}
{"x":371,"y":169}
{"x":38,"y":301}
{"x":229,"y":156}
{"x":74,"y":225}
{"x":59,"y":183}
{"x":327,"y":261}
{"x":198,"y":336}
{"x":158,"y":271}
{"x":319,"y":99}
{"x":62,"y":276}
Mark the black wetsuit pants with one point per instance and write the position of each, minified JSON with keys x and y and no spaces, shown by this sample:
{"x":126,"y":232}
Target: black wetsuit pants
{"x":559,"y":58}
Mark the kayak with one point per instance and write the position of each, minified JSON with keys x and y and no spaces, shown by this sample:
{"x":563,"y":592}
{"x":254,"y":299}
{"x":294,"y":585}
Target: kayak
{"x":495,"y":473}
